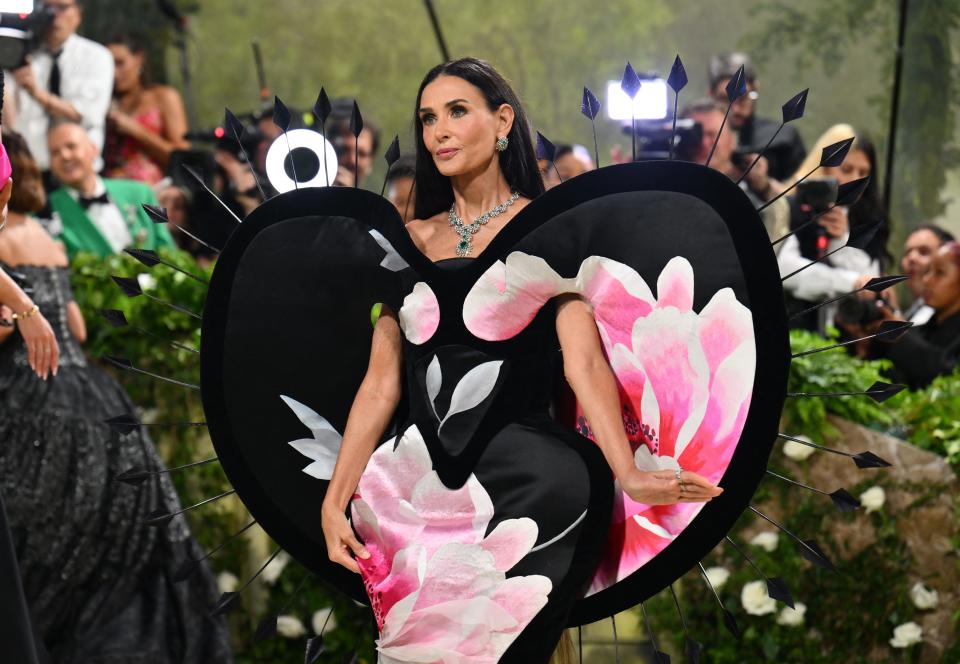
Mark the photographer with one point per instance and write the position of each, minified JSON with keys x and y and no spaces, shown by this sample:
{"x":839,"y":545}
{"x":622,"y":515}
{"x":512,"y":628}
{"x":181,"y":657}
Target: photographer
{"x":786,"y":151}
{"x":67,"y":78}
{"x":845,"y":270}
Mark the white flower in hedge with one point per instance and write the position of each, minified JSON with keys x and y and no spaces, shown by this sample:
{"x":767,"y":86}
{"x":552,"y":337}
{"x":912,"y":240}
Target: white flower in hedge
{"x":146,"y":281}
{"x":798,"y":451}
{"x":923,"y":597}
{"x":873,"y":498}
{"x":718,"y":576}
{"x":321,"y":617}
{"x":906,"y":635}
{"x":290,"y":627}
{"x":792,"y":617}
{"x":272,"y":571}
{"x":766,"y":540}
{"x":755,"y":599}
{"x":227,"y":582}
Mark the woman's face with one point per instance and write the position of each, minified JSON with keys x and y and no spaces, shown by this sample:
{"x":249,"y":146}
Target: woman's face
{"x":459,"y":130}
{"x":941,"y":282}
{"x":854,"y":167}
{"x":128,"y":67}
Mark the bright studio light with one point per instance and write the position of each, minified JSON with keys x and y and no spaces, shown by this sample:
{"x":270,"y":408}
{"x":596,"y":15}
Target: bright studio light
{"x":301,"y":139}
{"x":649,"y":104}
{"x":16,"y":6}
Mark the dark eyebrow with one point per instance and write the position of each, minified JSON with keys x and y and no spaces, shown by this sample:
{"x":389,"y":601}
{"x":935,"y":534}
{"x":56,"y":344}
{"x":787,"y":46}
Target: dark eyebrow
{"x":450,"y":103}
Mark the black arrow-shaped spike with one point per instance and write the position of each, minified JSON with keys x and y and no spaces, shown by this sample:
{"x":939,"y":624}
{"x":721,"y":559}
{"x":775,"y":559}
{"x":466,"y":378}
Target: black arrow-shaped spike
{"x":861,"y":235}
{"x":158,"y":215}
{"x":778,"y":590}
{"x":129,"y":286}
{"x":315,"y":648}
{"x":737,"y":85}
{"x":199,"y":179}
{"x":188,"y":568}
{"x":391,"y":156}
{"x":266,"y":629}
{"x":834,"y":154}
{"x":233,"y":124}
{"x":849,"y":193}
{"x":547,"y":150}
{"x":658,"y":656}
{"x":728,"y":618}
{"x":124,"y":424}
{"x":677,"y":80}
{"x":692,"y":650}
{"x":808,"y":548}
{"x":869,"y":460}
{"x":282,"y":117}
{"x":228,"y":601}
{"x":881,"y":391}
{"x":322,"y":107}
{"x":875,"y":285}
{"x":630,"y":82}
{"x":152,"y":258}
{"x":137,"y":475}
{"x":114,"y":317}
{"x":888,"y":332}
{"x":794,"y":108}
{"x":356,"y":126}
{"x":589,"y":104}
{"x":844,"y":501}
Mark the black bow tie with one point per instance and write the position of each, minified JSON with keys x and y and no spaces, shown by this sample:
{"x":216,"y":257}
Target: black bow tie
{"x":86,"y":201}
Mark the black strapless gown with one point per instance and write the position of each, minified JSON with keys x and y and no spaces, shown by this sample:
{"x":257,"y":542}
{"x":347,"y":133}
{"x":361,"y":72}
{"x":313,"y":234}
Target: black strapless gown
{"x":99,"y":583}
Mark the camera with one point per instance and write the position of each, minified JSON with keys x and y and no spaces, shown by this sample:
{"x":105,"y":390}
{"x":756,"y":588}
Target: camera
{"x":858,"y":311}
{"x":23,"y":24}
{"x":817,"y":193}
{"x":654,"y":136}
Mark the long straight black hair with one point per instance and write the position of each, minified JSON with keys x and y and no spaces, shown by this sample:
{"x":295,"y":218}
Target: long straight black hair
{"x":434,"y":193}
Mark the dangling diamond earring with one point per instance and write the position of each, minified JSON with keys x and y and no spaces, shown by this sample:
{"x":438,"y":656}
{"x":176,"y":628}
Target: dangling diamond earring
{"x":502,"y":143}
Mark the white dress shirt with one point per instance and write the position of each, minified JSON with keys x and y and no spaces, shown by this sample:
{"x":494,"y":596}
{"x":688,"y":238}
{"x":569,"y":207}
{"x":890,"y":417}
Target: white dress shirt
{"x":108,"y":218}
{"x":86,"y":81}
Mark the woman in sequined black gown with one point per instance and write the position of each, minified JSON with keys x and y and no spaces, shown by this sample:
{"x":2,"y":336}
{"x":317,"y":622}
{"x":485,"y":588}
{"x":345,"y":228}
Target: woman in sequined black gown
{"x":99,"y":584}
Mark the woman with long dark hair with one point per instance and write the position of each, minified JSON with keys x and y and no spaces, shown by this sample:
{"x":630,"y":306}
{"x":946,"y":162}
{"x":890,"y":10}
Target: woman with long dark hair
{"x":850,"y":268}
{"x":146,"y":122}
{"x":448,"y":524}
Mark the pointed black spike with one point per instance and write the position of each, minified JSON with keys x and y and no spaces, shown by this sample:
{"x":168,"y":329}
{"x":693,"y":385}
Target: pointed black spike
{"x":869,"y":460}
{"x":630,"y":82}
{"x":144,"y":256}
{"x":114,"y":317}
{"x":849,"y":193}
{"x":133,"y":476}
{"x":159,"y":517}
{"x":777,"y":589}
{"x":130,"y":287}
{"x":315,"y":648}
{"x":728,"y":618}
{"x":692,"y":650}
{"x":616,"y":640}
{"x":813,"y":553}
{"x":731,"y":624}
{"x":677,"y":80}
{"x":224,"y":605}
{"x":881,"y":391}
{"x":545,"y":149}
{"x":834,"y":154}
{"x":356,"y":120}
{"x":393,"y":152}
{"x":124,"y":424}
{"x":156,"y":213}
{"x":861,"y":235}
{"x":282,"y":117}
{"x":794,"y":108}
{"x":888,"y":332}
{"x":844,"y":501}
{"x":589,"y":104}
{"x":322,"y":107}
{"x":658,"y":657}
{"x":737,"y":85}
{"x":233,"y":124}
{"x":878,"y":284}
{"x":127,"y":365}
{"x":266,"y":629}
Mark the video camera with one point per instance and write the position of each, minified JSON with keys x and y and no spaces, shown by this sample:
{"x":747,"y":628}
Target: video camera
{"x":23,"y":24}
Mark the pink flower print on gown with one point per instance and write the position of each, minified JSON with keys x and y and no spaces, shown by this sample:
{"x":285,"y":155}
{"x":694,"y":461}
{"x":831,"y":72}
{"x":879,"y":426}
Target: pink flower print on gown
{"x":685,"y":378}
{"x":437,"y":582}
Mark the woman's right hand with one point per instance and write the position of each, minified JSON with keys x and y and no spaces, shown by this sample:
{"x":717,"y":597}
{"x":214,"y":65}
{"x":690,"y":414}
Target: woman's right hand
{"x":661,"y":487}
{"x":340,"y":539}
{"x":43,"y":353}
{"x":835,"y":222}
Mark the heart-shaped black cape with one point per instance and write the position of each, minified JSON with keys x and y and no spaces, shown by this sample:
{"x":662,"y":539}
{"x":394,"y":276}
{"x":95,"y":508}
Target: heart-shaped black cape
{"x":289,"y":313}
